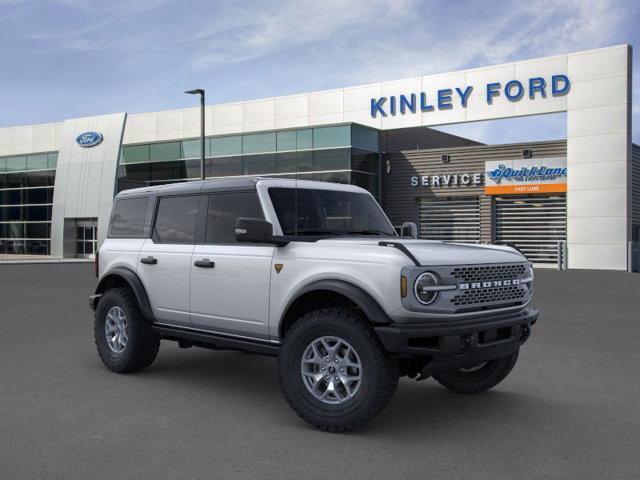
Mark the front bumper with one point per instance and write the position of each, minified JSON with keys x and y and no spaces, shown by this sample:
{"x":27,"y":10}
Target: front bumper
{"x":464,"y":344}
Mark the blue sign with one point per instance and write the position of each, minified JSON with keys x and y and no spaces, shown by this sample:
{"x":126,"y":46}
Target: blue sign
{"x":89,"y":139}
{"x":524,"y":174}
{"x":446,"y":99}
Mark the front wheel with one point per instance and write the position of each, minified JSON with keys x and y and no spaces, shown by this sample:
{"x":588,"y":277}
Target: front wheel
{"x":477,"y":378}
{"x":124,"y":338}
{"x":333,"y":370}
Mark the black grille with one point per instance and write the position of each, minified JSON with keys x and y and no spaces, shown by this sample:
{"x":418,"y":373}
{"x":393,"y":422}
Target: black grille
{"x":511,"y":293}
{"x":480,"y":273}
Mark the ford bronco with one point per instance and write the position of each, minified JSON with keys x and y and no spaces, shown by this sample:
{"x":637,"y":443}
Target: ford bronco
{"x":316,"y":275}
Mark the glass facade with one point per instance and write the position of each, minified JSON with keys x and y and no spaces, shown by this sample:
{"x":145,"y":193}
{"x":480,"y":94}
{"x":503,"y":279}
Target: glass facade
{"x":342,"y":153}
{"x":26,"y":198}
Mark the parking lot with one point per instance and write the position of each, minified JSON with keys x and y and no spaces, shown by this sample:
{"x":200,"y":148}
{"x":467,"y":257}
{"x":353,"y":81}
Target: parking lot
{"x":570,"y":408}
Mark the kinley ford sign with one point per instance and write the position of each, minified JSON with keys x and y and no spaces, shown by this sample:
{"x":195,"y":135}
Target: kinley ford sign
{"x":504,"y":177}
{"x":445,"y":99}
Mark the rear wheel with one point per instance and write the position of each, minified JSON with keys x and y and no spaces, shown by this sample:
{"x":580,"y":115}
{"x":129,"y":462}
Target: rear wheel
{"x":477,"y":378}
{"x":123,"y":337}
{"x":333,"y":370}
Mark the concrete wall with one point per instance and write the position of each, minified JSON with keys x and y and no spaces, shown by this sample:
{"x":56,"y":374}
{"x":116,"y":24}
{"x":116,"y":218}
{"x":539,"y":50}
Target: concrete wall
{"x":85,"y":177}
{"x":599,"y":158}
{"x":30,"y":139}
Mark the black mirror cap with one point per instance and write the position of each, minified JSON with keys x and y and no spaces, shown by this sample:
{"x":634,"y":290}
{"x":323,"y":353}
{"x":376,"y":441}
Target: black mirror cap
{"x":257,"y":230}
{"x":254,"y":230}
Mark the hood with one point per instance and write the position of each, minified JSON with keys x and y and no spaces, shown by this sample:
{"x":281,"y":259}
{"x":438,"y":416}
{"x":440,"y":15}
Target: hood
{"x":433,"y":252}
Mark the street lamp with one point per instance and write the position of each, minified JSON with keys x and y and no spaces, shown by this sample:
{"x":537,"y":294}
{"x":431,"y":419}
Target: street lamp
{"x":200,"y":91}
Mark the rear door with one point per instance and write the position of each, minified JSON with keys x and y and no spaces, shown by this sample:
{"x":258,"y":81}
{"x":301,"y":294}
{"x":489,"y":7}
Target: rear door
{"x":164,"y":262}
{"x":230,"y":280}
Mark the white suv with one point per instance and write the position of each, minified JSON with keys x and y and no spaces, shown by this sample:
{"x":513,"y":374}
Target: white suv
{"x":315,"y":274}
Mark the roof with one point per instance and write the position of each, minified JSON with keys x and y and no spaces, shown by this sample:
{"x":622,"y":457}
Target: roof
{"x":230,"y":183}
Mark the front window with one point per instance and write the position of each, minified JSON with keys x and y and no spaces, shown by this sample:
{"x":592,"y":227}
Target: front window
{"x":313,"y":212}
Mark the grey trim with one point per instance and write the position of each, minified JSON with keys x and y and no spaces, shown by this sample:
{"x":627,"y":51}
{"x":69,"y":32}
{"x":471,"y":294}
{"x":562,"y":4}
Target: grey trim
{"x":362,"y":299}
{"x":136,"y":285}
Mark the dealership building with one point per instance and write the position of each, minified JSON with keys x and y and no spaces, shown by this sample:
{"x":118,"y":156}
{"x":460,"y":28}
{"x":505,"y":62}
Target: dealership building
{"x":572,"y":202}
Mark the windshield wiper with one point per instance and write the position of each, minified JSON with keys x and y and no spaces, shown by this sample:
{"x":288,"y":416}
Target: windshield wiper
{"x":313,"y":231}
{"x":366,"y":232}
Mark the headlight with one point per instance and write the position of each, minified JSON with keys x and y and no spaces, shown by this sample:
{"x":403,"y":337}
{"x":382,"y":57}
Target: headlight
{"x":425,"y":288}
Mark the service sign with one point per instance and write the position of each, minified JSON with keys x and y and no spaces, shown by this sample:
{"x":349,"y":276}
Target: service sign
{"x":526,"y":175}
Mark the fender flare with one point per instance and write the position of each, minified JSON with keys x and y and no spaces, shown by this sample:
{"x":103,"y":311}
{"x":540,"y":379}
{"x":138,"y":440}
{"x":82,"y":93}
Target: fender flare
{"x":357,"y":295}
{"x":134,"y":282}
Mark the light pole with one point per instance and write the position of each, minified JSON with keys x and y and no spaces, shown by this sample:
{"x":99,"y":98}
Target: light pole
{"x":200,"y":91}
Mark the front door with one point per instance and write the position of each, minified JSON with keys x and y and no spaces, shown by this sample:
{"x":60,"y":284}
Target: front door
{"x":164,"y":262}
{"x":86,"y":238}
{"x":230,"y":280}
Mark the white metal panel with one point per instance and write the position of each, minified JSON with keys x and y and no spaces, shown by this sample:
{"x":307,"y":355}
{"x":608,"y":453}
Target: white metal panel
{"x":589,"y":203}
{"x":170,"y":121}
{"x":294,"y":106}
{"x":85,"y":177}
{"x":597,"y":256}
{"x":326,"y":103}
{"x":597,"y":120}
{"x":598,"y":93}
{"x":21,"y":135}
{"x":591,"y":149}
{"x":358,"y":98}
{"x":167,"y":282}
{"x":232,"y":297}
{"x":598,"y":63}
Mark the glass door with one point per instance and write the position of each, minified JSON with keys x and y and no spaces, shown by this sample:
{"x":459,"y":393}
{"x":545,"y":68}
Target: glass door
{"x":86,"y":238}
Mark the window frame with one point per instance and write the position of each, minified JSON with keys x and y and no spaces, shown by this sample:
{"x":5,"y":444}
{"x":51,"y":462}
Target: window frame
{"x":145,"y":227}
{"x":152,"y":227}
{"x":205,"y":220}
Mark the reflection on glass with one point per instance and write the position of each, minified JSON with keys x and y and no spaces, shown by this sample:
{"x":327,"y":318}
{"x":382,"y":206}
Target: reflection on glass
{"x":259,"y":143}
{"x":160,"y":152}
{"x":222,"y":146}
{"x":326,"y":137}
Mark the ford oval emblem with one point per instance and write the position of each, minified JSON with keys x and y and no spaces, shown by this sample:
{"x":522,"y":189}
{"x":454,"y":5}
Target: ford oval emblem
{"x":89,"y":139}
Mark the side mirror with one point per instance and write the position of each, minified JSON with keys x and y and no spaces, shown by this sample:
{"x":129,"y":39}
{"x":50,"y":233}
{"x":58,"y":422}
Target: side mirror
{"x":256,"y":230}
{"x":409,"y":229}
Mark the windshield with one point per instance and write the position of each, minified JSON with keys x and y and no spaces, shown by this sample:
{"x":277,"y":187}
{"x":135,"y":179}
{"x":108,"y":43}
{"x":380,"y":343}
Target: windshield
{"x":328,"y":213}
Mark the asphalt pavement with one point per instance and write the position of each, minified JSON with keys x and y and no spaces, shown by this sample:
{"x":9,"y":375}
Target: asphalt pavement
{"x":569,"y":409}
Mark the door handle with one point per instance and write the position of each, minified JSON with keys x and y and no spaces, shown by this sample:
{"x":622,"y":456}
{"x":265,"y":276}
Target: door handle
{"x":149,"y":260}
{"x":204,"y":263}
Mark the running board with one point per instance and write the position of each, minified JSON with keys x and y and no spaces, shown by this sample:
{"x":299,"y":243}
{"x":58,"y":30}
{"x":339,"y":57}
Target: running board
{"x":217,"y":341}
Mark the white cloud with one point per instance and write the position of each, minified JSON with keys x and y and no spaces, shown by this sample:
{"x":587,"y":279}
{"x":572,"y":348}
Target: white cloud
{"x":303,"y":45}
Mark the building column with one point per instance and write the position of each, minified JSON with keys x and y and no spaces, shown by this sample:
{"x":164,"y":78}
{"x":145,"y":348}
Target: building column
{"x":599,"y":158}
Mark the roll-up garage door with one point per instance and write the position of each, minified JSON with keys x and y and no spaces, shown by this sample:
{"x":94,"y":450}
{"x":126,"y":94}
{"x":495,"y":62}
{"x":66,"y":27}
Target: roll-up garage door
{"x":455,"y":220}
{"x":534,"y":225}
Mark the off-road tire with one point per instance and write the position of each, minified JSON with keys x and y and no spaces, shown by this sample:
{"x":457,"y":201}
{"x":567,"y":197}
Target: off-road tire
{"x":487,"y":377}
{"x":142,"y":344}
{"x":379,"y":372}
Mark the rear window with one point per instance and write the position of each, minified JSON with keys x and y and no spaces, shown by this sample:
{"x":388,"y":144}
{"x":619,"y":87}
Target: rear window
{"x":176,"y":220}
{"x":129,"y":216}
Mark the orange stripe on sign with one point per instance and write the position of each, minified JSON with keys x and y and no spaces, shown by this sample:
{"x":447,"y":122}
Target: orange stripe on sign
{"x":515,"y":189}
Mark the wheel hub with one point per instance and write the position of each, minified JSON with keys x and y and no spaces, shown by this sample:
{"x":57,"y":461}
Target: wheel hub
{"x":116,"y":329}
{"x":331,"y":370}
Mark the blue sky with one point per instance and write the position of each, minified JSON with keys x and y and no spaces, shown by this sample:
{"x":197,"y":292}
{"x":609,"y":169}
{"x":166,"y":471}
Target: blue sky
{"x":72,"y":58}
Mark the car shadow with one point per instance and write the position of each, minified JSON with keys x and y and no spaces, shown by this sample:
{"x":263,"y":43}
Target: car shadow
{"x":418,"y":408}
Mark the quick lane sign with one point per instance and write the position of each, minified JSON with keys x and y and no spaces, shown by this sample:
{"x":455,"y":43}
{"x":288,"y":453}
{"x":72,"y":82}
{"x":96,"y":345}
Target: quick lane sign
{"x":526,"y":175}
{"x":445,"y":99}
